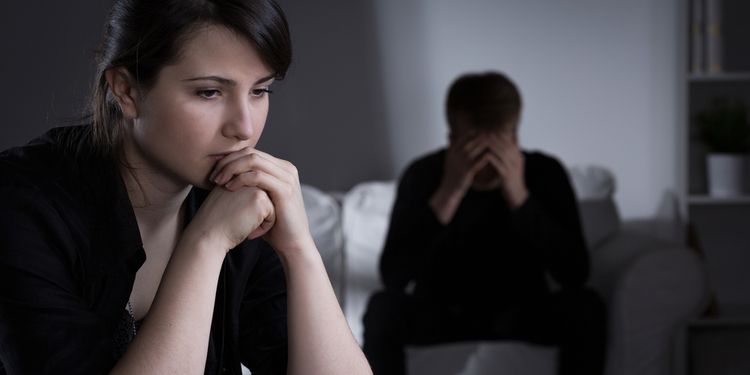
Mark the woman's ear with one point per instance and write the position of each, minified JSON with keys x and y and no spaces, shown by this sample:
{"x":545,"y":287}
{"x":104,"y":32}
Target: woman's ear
{"x":124,"y":90}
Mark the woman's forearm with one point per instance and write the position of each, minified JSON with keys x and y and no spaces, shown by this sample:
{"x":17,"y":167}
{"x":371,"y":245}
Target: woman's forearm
{"x":320,"y":341}
{"x":174,"y":336}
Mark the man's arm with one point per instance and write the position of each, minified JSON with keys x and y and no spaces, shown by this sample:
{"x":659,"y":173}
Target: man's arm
{"x":547,"y":217}
{"x":548,"y":221}
{"x":413,"y":230}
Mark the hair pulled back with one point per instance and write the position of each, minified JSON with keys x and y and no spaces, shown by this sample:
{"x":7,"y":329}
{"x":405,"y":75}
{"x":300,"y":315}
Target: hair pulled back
{"x":143,"y":36}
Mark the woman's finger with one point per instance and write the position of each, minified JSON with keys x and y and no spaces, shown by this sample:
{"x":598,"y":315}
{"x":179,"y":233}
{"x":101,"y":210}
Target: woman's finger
{"x":250,"y":162}
{"x":281,"y":163}
{"x":241,"y":154}
{"x":228,"y":159}
{"x":260,"y":179}
{"x":264,"y":227}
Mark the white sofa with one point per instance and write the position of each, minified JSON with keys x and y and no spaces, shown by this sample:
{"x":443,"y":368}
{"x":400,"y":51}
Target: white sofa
{"x":651,"y":284}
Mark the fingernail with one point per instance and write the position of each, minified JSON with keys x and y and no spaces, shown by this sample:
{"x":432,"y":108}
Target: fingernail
{"x":220,"y":179}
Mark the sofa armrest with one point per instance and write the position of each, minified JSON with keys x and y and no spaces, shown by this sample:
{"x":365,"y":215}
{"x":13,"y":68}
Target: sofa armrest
{"x":650,"y":287}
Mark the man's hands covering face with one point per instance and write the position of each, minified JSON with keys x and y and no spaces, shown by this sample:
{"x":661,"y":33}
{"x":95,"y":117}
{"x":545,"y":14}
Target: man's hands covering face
{"x":469,"y":156}
{"x":508,"y":160}
{"x":465,"y":157}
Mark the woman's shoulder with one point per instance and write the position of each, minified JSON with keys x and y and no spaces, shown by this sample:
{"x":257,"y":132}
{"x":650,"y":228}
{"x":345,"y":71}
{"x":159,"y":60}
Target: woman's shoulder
{"x":45,"y":162}
{"x":45,"y":184}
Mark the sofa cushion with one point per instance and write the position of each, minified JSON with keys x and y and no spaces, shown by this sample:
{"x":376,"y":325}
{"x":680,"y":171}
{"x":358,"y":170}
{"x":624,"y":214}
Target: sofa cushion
{"x":592,"y":182}
{"x":600,"y":221}
{"x":482,"y":358}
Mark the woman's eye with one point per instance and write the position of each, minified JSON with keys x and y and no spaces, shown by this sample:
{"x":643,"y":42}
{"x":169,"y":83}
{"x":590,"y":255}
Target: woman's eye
{"x":208,"y":94}
{"x":259,"y":92}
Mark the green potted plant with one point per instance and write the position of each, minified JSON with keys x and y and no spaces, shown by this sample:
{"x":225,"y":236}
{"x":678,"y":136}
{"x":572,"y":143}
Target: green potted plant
{"x":724,"y":129}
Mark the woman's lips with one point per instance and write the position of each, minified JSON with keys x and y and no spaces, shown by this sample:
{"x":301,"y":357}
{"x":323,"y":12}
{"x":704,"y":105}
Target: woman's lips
{"x":217,"y":157}
{"x":220,"y":155}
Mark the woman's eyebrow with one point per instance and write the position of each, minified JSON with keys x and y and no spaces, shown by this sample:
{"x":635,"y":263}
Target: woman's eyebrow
{"x":227,"y":81}
{"x":222,"y":80}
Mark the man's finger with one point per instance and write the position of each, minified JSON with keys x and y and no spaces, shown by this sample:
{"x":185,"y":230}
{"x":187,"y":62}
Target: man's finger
{"x":479,"y":164}
{"x":475,"y":147}
{"x":498,"y":163}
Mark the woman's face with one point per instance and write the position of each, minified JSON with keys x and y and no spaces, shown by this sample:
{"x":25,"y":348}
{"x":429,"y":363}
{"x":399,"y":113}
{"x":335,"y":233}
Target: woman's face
{"x":211,"y":102}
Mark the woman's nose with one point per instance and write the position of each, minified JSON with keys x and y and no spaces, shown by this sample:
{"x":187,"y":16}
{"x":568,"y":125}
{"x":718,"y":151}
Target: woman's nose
{"x":239,"y":124}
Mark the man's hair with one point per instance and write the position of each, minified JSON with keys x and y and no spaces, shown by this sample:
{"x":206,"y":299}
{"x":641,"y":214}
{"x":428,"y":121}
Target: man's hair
{"x":488,"y":101}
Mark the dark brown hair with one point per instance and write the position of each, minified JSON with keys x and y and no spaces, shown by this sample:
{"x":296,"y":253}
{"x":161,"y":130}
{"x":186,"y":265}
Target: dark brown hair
{"x":488,"y":101}
{"x":145,"y":35}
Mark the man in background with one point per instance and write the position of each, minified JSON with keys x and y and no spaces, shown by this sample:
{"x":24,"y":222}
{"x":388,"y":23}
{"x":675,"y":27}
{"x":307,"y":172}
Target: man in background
{"x":476,"y":229}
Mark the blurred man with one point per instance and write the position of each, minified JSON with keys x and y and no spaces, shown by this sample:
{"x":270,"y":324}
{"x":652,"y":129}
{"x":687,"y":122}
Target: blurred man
{"x":475,"y":230}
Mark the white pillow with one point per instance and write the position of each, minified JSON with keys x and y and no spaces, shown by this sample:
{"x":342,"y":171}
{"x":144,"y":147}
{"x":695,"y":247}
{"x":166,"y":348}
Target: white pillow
{"x":592,"y":182}
{"x":366,"y":215}
{"x":367,"y":210}
{"x":324,"y":218}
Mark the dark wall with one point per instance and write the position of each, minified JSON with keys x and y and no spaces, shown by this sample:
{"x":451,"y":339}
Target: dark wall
{"x":328,"y":117}
{"x":47,"y":64}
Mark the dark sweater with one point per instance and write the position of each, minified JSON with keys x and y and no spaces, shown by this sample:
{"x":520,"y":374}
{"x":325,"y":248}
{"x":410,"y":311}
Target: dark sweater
{"x":70,"y":249}
{"x":488,"y":256}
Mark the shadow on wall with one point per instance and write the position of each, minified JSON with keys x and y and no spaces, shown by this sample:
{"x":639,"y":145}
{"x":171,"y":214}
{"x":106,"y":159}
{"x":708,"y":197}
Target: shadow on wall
{"x":328,"y":116}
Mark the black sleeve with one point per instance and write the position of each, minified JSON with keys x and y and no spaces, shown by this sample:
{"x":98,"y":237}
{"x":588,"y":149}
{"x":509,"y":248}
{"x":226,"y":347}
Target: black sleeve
{"x":549,"y":223}
{"x":46,"y":326}
{"x":263,"y":316}
{"x":413,"y":231}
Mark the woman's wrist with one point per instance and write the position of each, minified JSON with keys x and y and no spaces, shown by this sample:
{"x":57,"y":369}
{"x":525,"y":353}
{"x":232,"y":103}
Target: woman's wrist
{"x":302,"y":246}
{"x":204,"y":241}
{"x":303,"y":253}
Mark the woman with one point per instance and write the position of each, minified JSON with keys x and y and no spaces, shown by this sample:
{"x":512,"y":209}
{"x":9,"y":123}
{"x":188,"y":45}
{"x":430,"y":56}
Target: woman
{"x":158,"y":240}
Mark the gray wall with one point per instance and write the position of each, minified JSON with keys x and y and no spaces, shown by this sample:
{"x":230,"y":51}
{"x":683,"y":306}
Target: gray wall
{"x":328,"y":117}
{"x":47,"y":64}
{"x":601,"y":82}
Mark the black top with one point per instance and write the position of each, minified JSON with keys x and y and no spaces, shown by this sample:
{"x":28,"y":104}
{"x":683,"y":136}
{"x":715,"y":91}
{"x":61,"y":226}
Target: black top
{"x":69,"y":251}
{"x":488,"y":256}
